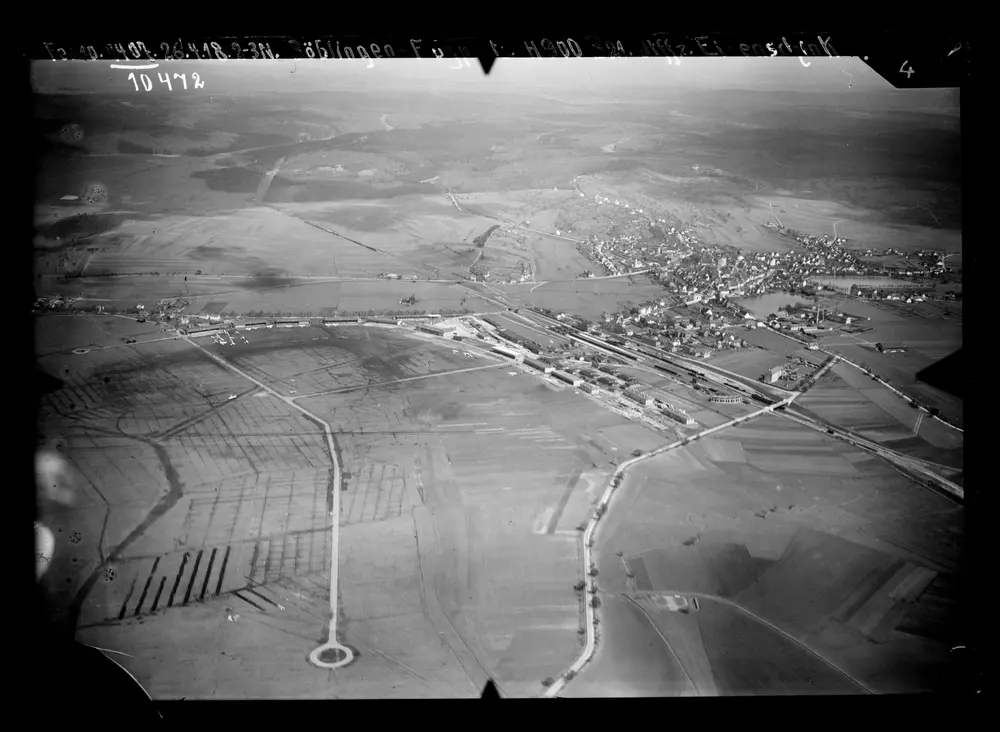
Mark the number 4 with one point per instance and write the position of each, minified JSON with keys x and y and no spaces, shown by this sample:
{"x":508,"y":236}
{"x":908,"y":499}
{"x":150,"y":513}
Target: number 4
{"x":165,"y":79}
{"x":909,"y":69}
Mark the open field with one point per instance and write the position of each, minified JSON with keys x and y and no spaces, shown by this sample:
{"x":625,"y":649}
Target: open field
{"x":850,"y":399}
{"x":201,"y":538}
{"x":253,"y":241}
{"x":918,"y":323}
{"x":900,"y":370}
{"x":557,"y":259}
{"x":207,"y":509}
{"x":749,"y":362}
{"x":245,"y":296}
{"x":857,"y":225}
{"x":632,"y":661}
{"x":790,"y":525}
{"x":773,"y":342}
{"x":62,"y":333}
{"x":586,"y":298}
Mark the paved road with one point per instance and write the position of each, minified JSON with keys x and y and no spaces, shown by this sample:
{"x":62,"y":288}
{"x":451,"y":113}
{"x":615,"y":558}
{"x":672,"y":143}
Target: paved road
{"x":877,"y":378}
{"x":335,"y":512}
{"x":602,"y":506}
{"x":670,"y":648}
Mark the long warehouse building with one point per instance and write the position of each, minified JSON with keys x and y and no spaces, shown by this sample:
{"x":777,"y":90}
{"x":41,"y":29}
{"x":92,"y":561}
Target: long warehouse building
{"x":568,"y":378}
{"x":435,"y":329}
{"x":677,"y":414}
{"x":513,"y":355}
{"x":540,"y":365}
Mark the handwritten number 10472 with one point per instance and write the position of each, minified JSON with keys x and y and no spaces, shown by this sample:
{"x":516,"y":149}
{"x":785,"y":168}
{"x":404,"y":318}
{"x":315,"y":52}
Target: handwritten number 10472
{"x":147,"y":83}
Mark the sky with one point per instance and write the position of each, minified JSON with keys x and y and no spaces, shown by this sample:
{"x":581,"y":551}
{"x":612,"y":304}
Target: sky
{"x":602,"y":77}
{"x":510,"y":73}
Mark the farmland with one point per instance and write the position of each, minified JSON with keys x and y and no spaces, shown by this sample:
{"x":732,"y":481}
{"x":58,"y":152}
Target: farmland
{"x":928,"y":338}
{"x":200,"y":508}
{"x":292,"y":297}
{"x":586,"y":298}
{"x":749,"y":362}
{"x":847,"y":397}
{"x":745,"y":517}
{"x":219,"y":483}
{"x":556,"y":259}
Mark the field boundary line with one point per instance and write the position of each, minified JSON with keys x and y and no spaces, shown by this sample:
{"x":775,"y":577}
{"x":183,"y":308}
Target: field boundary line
{"x":772,"y":626}
{"x":348,"y":655}
{"x":590,"y":588}
{"x":378,"y":384}
{"x":878,"y":378}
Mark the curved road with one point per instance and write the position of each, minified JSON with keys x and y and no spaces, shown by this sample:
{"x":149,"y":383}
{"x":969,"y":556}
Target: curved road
{"x":590,"y":588}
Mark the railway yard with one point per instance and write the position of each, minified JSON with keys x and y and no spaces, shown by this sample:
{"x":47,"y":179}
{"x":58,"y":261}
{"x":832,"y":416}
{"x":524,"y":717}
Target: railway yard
{"x":464,"y":482}
{"x":385,"y":387}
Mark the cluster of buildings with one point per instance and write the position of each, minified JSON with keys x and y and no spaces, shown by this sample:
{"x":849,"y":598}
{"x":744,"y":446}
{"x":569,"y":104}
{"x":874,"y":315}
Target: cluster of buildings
{"x":806,"y":319}
{"x":794,"y":370}
{"x":903,"y":293}
{"x":696,"y":315}
{"x":693,"y":271}
{"x":208,"y":325}
{"x":697,"y":331}
{"x":53,"y":302}
{"x":442,"y":331}
{"x":593,"y":377}
{"x":635,"y":241}
{"x":503,"y":331}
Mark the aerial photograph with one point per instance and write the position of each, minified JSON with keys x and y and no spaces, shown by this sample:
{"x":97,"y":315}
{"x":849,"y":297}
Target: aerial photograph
{"x":610,"y":377}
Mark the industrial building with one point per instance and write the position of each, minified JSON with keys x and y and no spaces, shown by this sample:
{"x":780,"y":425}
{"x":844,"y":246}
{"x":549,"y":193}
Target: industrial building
{"x":251,"y":325}
{"x":775,"y":372}
{"x":677,"y":414}
{"x":571,"y":380}
{"x":540,"y":365}
{"x":638,"y":396}
{"x":589,"y":388}
{"x":727,"y":399}
{"x":437,"y":330}
{"x":513,"y":355}
{"x":204,"y":331}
